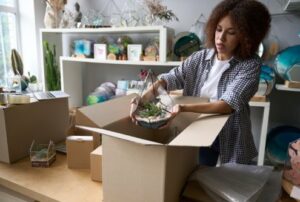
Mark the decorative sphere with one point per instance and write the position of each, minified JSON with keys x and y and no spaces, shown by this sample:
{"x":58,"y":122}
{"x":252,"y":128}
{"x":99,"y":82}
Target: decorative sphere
{"x":92,"y":99}
{"x":266,"y":81}
{"x":287,"y":63}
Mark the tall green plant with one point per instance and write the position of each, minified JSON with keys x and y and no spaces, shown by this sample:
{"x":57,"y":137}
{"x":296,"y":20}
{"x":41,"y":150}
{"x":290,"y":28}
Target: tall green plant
{"x":52,"y":69}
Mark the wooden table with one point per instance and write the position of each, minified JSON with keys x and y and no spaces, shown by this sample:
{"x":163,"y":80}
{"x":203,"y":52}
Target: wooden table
{"x":57,"y":183}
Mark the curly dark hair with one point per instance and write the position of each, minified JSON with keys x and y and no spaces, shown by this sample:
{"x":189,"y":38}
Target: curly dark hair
{"x":251,"y":19}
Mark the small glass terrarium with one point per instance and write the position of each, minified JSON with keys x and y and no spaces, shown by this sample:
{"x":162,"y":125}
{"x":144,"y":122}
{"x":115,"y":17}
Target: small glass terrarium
{"x":157,"y":111}
{"x":42,"y":155}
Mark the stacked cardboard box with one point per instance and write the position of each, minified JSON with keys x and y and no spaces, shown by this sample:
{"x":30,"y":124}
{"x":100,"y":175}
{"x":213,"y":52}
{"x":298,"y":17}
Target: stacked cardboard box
{"x":41,"y":121}
{"x":96,"y":164}
{"x":78,"y":151}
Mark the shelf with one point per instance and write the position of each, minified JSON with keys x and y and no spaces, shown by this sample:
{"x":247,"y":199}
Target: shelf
{"x":259,"y":104}
{"x":121,"y":62}
{"x":284,"y":88}
{"x":140,"y":29}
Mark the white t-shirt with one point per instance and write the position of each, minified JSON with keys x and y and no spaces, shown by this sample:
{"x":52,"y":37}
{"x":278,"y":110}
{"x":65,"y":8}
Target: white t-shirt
{"x":210,"y":87}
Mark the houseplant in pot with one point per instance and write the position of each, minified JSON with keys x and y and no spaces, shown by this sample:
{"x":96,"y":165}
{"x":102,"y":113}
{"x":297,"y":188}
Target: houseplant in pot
{"x":157,"y":111}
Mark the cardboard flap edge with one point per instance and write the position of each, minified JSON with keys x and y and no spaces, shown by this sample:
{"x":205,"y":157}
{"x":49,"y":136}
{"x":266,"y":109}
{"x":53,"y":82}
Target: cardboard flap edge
{"x":201,"y":132}
{"x":119,"y":135}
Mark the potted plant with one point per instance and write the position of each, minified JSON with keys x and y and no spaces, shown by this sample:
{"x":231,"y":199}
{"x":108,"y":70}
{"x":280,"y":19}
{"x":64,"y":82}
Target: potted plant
{"x":153,"y":114}
{"x":17,"y":67}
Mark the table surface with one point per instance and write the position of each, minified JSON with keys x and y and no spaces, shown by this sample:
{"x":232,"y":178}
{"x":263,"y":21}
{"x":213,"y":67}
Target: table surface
{"x":56,"y":183}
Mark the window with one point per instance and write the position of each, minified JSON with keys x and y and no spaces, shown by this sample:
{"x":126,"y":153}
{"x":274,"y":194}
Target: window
{"x":8,"y":36}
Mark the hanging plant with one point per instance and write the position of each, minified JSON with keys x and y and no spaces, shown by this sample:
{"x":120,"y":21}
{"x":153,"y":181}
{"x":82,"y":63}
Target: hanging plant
{"x":157,"y":10}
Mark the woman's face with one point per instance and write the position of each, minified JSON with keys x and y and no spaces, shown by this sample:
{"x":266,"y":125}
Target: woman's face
{"x":226,"y":38}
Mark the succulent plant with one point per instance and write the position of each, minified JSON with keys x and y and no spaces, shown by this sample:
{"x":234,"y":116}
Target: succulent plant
{"x":150,"y":109}
{"x":32,"y":78}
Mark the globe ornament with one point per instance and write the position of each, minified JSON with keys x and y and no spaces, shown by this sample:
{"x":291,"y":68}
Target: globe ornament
{"x":287,"y":64}
{"x":185,"y":44}
{"x":266,"y":81}
{"x":92,"y":99}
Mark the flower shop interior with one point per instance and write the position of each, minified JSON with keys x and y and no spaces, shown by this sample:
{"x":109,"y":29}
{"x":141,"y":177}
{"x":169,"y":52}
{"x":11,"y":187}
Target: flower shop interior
{"x":73,"y":124}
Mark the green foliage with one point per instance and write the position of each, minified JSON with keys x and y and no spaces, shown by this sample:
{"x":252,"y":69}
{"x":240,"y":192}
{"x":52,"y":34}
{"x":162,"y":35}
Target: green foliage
{"x":52,"y":69}
{"x":150,"y":109}
{"x":114,"y":48}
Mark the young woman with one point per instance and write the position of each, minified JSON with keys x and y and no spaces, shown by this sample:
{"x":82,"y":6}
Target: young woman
{"x":227,"y":72}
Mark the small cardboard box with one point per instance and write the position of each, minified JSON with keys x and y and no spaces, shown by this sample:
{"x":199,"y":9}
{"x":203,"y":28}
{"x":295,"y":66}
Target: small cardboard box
{"x":96,"y":164}
{"x":78,"y":151}
{"x":81,"y":132}
{"x":141,"y":164}
{"x":41,"y":121}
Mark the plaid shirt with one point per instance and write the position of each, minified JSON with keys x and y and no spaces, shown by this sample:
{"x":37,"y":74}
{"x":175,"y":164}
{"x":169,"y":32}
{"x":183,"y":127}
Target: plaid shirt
{"x":236,"y":87}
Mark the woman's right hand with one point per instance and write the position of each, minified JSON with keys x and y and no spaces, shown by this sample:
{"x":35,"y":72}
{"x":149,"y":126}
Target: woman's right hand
{"x":134,"y":103}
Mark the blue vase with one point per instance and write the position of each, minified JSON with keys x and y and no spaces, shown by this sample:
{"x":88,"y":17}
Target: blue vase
{"x":287,"y":63}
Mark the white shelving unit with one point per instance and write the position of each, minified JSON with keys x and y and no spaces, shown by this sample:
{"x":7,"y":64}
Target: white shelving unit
{"x":76,"y":73}
{"x":285,"y":88}
{"x":263,"y":130}
{"x":74,"y":69}
{"x":163,"y":32}
{"x":120,"y":62}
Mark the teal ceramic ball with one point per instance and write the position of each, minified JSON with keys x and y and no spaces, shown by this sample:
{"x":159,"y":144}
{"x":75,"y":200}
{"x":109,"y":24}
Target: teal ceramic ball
{"x":266,"y":81}
{"x":287,"y":63}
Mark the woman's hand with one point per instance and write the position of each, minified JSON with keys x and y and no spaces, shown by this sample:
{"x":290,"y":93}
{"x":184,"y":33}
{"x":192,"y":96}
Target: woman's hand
{"x":134,"y":103}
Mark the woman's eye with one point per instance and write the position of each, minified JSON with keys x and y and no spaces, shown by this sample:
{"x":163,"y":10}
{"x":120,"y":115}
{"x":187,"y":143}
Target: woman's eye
{"x":219,"y":30}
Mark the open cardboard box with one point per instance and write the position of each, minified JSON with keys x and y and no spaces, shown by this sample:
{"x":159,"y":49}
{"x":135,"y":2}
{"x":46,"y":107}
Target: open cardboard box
{"x":141,"y":164}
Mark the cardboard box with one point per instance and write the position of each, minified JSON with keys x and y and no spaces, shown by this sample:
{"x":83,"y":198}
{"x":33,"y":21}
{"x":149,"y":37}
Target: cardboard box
{"x":78,"y":151}
{"x":41,"y":121}
{"x":142,"y":164}
{"x":96,"y":164}
{"x":81,"y":132}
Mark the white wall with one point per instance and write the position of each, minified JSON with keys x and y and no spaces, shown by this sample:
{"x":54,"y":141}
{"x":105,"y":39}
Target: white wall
{"x":28,"y":36}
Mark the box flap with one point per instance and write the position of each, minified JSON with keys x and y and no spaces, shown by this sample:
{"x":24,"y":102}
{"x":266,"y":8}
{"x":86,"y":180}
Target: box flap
{"x":202,"y":132}
{"x":97,"y":151}
{"x":104,"y":113}
{"x":119,"y":135}
{"x":78,"y":138}
{"x":178,"y":99}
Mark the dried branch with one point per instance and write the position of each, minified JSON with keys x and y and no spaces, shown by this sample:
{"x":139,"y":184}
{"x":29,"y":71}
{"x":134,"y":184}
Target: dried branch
{"x":158,"y":10}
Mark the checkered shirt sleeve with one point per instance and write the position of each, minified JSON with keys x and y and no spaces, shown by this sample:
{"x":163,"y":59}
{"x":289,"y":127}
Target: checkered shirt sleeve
{"x":243,"y":86}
